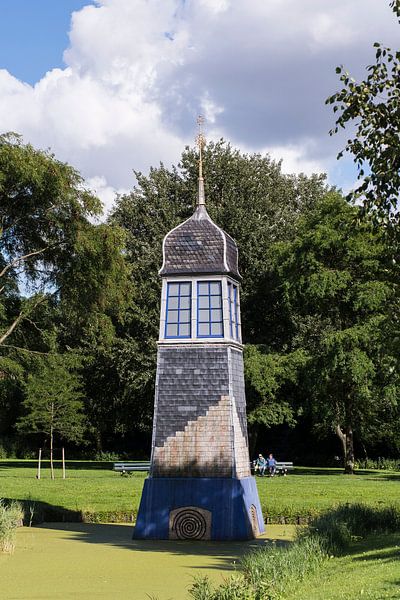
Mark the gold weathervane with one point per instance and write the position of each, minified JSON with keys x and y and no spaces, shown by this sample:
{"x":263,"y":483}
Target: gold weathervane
{"x":201,"y":142}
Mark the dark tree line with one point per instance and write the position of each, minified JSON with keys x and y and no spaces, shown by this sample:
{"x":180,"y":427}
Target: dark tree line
{"x":319,"y":302}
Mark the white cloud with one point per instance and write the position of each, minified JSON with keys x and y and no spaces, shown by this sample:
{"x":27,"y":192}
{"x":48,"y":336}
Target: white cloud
{"x":139,"y":71}
{"x":295,"y":160}
{"x":106,"y":193}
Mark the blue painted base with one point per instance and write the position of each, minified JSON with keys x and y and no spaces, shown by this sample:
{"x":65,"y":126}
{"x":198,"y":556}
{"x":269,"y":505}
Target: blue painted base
{"x":230,"y":502}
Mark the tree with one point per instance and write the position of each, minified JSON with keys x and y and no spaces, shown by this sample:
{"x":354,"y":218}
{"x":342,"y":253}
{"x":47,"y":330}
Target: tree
{"x":247,"y":195}
{"x":64,"y":281}
{"x":372,"y":106}
{"x":48,"y":244}
{"x":53,"y":403}
{"x":338,"y":282}
{"x":272,"y":381}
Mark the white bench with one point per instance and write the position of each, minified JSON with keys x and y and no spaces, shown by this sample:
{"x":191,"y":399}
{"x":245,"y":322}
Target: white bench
{"x":282,"y":467}
{"x":127,"y":468}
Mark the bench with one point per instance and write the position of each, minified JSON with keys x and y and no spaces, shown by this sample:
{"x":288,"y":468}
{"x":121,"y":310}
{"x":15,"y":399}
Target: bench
{"x":282,"y":467}
{"x":127,"y":468}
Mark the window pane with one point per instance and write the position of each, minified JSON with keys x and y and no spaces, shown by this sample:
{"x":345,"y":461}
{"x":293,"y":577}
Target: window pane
{"x":184,"y":329}
{"x":202,"y":289}
{"x":215,"y":301}
{"x":185,"y":302}
{"x":204,"y":301}
{"x":215,"y":288}
{"x":185,"y":289}
{"x":203,"y":329}
{"x":216,"y":328}
{"x":216,"y":315}
{"x":172,"y":303}
{"x":173,"y":289}
{"x":204,"y":316}
{"x":172,"y":316}
{"x":172,"y":330}
{"x":184,"y":316}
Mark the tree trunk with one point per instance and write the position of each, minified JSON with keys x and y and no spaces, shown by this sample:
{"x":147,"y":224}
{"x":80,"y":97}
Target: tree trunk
{"x":253,"y":436}
{"x":349,"y":463}
{"x":63,"y":463}
{"x":51,"y":445}
{"x":346,"y":438}
{"x":39,"y":464}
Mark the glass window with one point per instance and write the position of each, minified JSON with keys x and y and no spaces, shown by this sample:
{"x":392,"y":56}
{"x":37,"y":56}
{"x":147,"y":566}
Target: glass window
{"x":185,"y":289}
{"x":203,"y":329}
{"x":179,"y":310}
{"x":172,"y":331}
{"x":209,"y":312}
{"x":202,"y":301}
{"x":184,"y":316}
{"x":215,"y":301}
{"x":185,"y":302}
{"x":173,"y":289}
{"x":216,"y":329}
{"x":173,"y":303}
{"x":184,"y":329}
{"x":202,"y":289}
{"x":173,"y":316}
{"x":233,"y":298}
{"x":215,"y":288}
{"x":216,"y":315}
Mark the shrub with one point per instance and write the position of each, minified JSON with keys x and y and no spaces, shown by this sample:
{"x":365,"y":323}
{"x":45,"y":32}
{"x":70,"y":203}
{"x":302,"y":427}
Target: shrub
{"x":266,"y":574}
{"x":233,"y":588}
{"x":337,"y":527}
{"x":107,"y":456}
{"x":10,"y":518}
{"x":387,"y":464}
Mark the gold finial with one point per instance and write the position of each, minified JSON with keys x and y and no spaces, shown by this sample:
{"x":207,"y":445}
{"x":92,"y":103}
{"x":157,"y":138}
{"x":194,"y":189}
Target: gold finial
{"x":201,"y":141}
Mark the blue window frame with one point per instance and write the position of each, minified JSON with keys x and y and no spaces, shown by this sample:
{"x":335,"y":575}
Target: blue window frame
{"x":179,"y":310}
{"x":233,"y":299}
{"x":209,"y":309}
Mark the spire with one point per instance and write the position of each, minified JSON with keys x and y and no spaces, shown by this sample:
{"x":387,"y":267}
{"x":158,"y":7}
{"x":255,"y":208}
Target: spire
{"x":200,"y":140}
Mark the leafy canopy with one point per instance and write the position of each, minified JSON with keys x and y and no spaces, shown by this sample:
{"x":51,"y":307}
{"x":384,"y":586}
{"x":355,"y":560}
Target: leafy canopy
{"x":372,"y":105}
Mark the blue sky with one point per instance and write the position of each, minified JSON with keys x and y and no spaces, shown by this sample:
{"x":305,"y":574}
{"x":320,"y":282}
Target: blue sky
{"x":34,"y":35}
{"x":108,"y":91}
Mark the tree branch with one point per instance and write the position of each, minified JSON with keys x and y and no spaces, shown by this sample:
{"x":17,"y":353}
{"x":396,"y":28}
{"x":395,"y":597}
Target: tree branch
{"x":21,"y":258}
{"x":18,"y":320}
{"x":340,"y":433}
{"x":23,"y":349}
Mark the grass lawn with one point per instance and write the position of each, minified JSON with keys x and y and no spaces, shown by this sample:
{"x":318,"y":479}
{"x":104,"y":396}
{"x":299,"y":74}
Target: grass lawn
{"x":85,"y":561}
{"x":95,"y":488}
{"x":371,"y":572}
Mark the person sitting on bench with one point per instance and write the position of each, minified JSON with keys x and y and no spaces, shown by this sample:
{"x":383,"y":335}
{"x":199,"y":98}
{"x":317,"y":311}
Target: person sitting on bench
{"x":271,"y":465}
{"x":261,"y":464}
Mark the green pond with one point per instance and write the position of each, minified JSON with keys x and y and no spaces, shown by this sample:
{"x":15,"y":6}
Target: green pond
{"x":62,"y":561}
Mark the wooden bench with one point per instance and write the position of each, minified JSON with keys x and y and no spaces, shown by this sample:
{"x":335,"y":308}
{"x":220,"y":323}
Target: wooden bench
{"x":127,"y":468}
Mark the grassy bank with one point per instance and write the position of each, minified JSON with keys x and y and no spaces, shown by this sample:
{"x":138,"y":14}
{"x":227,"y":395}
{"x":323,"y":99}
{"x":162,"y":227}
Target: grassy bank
{"x":94,"y":491}
{"x":369,"y":571}
{"x":345,"y":548}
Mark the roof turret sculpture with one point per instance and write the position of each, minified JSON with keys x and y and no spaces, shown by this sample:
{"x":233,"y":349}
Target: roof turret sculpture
{"x":198,"y":245}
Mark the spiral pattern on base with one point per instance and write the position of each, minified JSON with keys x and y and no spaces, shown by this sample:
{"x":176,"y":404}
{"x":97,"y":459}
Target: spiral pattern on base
{"x":189,"y":524}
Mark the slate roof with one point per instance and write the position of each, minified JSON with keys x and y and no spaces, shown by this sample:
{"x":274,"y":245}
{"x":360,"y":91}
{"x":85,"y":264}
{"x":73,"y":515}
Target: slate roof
{"x":199,"y":246}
